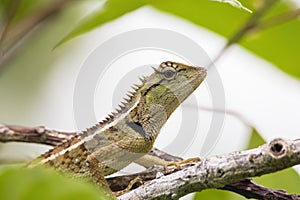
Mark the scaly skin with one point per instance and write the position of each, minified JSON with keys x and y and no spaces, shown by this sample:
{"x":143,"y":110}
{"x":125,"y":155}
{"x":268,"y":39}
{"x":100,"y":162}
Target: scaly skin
{"x":129,"y":133}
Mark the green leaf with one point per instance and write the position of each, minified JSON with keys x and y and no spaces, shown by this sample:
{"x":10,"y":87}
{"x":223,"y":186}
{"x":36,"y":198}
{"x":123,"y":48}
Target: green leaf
{"x":214,"y":194}
{"x":287,"y":179}
{"x":255,"y":140}
{"x":111,"y":10}
{"x":234,"y":3}
{"x":278,"y":45}
{"x":37,"y":183}
{"x":215,"y":16}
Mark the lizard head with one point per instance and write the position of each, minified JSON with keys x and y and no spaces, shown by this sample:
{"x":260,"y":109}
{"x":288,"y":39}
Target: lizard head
{"x":151,"y":104}
{"x":178,"y":78}
{"x":171,"y":83}
{"x":163,"y":91}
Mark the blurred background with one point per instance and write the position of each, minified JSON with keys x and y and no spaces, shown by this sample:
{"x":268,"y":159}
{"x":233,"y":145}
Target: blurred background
{"x":44,"y":45}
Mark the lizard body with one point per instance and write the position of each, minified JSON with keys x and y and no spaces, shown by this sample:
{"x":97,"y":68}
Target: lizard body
{"x":129,"y":133}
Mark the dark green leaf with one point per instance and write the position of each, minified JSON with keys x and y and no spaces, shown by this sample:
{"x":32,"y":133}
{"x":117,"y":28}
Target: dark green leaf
{"x":214,"y":194}
{"x":37,"y":183}
{"x":111,"y":10}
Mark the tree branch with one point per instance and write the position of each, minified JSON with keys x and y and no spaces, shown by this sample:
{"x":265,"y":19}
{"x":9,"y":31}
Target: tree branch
{"x":245,"y":187}
{"x":249,"y":190}
{"x":218,"y":171}
{"x":39,"y":135}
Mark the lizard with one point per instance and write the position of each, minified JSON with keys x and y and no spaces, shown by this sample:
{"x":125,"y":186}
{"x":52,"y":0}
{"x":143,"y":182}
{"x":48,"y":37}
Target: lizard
{"x":128,"y":133}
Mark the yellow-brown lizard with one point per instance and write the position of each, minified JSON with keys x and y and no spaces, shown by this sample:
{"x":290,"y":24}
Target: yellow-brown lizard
{"x":130,"y":132}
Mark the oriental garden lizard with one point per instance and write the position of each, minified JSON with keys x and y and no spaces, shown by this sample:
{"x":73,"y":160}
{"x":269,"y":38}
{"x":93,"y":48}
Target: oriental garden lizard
{"x":129,"y":133}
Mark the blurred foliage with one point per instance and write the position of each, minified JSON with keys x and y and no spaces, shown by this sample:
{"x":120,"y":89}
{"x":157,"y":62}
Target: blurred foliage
{"x":19,"y":9}
{"x":214,"y":194}
{"x":259,"y":38}
{"x":40,"y":183}
{"x":31,"y":63}
{"x":274,"y":37}
{"x":111,"y":10}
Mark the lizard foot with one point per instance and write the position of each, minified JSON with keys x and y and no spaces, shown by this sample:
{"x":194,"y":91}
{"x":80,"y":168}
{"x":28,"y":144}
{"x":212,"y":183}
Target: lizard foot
{"x":178,"y":164}
{"x":129,"y":186}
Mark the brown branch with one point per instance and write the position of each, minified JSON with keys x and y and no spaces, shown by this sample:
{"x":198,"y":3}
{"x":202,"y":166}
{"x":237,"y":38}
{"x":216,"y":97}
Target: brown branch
{"x":41,"y":135}
{"x":219,"y":171}
{"x":245,"y":187}
{"x":249,"y":190}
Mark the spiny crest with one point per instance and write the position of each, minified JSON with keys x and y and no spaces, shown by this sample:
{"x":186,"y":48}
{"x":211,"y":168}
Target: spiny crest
{"x":127,"y":101}
{"x":89,"y":131}
{"x":125,"y":104}
{"x":166,"y":64}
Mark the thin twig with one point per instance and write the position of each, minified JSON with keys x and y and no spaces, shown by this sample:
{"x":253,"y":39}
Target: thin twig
{"x":39,"y":135}
{"x":229,"y":112}
{"x":247,"y":27}
{"x":277,"y":20}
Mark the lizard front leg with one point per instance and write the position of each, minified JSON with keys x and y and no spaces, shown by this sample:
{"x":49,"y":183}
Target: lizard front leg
{"x":150,"y":160}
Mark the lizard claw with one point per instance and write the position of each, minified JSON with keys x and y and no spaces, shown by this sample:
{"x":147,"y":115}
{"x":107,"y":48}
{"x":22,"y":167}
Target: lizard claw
{"x":178,"y":164}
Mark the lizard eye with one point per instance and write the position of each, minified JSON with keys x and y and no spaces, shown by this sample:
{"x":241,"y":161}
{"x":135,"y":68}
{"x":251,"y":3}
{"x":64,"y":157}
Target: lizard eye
{"x":169,"y":73}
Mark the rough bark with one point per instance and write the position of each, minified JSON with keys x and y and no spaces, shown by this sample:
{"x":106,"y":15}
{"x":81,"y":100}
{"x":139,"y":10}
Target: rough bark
{"x":227,"y":172}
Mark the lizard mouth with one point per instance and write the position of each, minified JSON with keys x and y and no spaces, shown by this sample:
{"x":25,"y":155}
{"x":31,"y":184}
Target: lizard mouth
{"x":190,"y":84}
{"x":199,"y":76}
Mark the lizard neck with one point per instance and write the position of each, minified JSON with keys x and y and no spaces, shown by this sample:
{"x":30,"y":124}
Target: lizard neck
{"x":149,"y":115}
